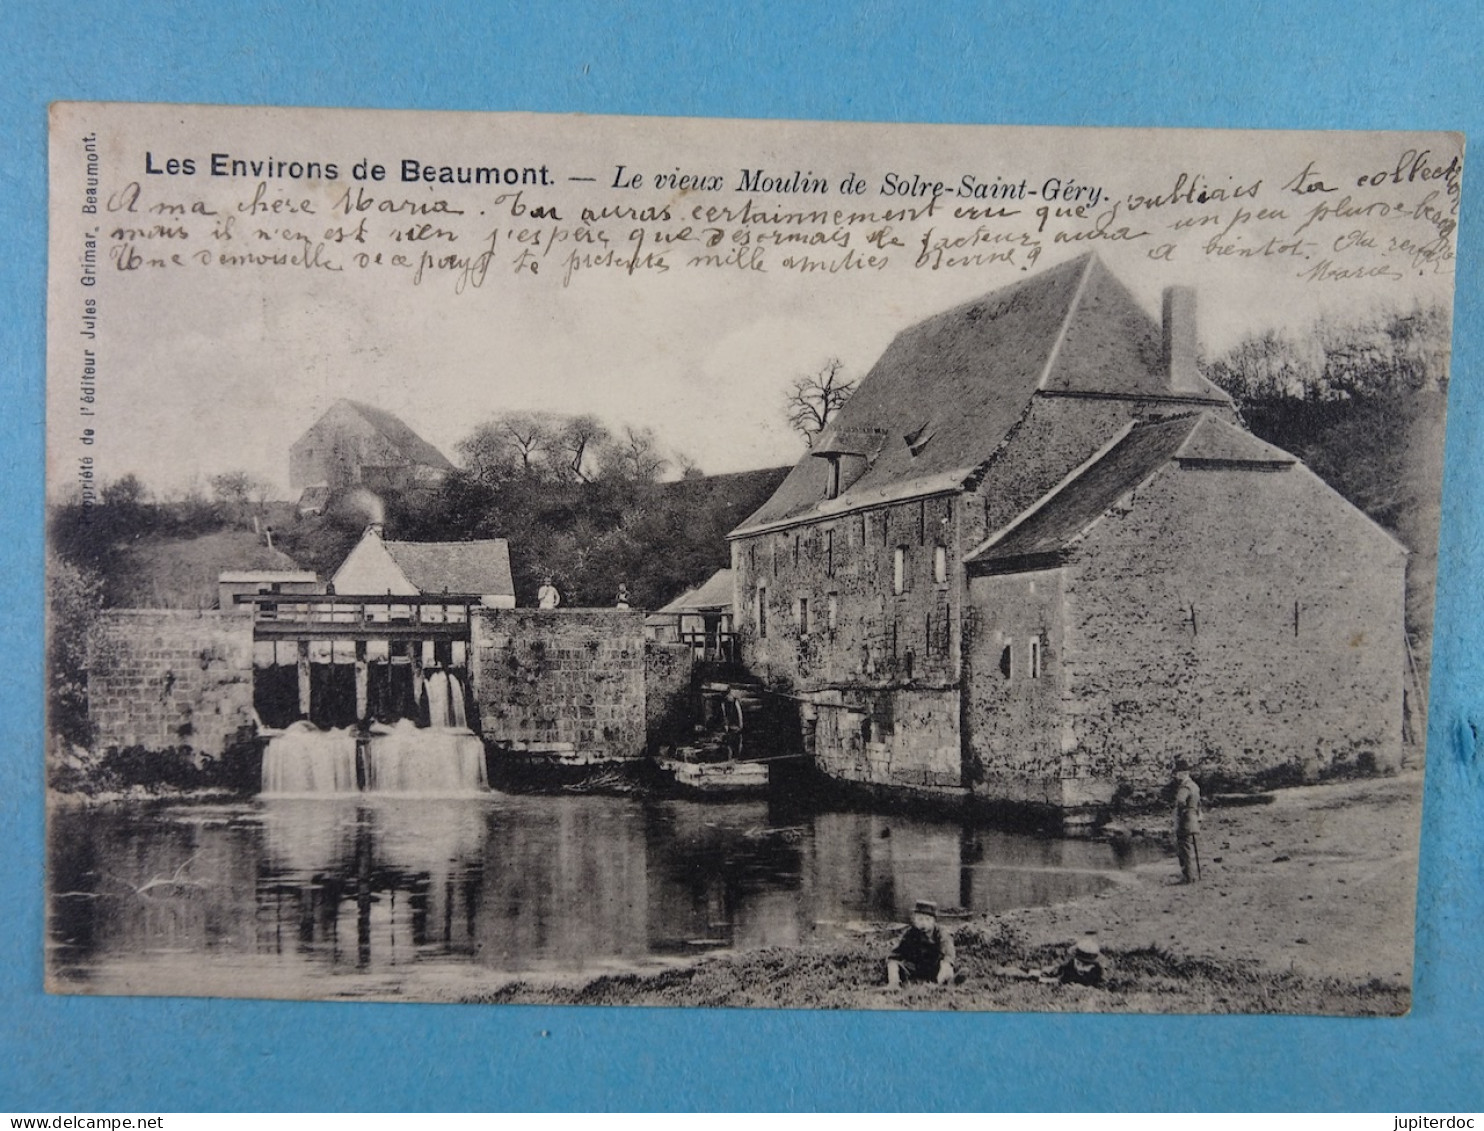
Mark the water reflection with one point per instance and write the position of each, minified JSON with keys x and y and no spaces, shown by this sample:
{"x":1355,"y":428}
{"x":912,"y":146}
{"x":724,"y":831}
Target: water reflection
{"x":399,"y":887}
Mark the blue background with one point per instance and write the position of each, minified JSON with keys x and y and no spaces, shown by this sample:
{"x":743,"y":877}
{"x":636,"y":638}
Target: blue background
{"x":1387,"y":65}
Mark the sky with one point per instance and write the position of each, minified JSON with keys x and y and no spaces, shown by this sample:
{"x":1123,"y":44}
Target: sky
{"x":200,"y":369}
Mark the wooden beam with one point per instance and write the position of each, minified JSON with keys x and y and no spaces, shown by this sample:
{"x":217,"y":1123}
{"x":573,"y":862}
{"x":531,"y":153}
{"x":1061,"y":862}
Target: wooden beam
{"x":304,"y":681}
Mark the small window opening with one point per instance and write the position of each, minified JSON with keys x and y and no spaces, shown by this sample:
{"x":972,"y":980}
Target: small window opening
{"x":762,"y":612}
{"x":899,"y":569}
{"x":1035,"y":657}
{"x":829,"y":553}
{"x":804,"y":616}
{"x":832,"y":612}
{"x":940,"y":564}
{"x":1005,"y":662}
{"x":796,"y":549}
{"x":832,"y":478}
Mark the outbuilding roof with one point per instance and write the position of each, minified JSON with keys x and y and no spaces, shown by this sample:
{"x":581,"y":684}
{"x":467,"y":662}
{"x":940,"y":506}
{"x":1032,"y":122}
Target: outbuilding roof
{"x":480,"y":567}
{"x":713,"y":594}
{"x":1050,"y":527}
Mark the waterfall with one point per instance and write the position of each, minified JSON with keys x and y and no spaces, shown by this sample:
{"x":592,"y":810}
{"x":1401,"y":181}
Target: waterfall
{"x":406,"y":758}
{"x":305,"y":759}
{"x":445,"y":758}
{"x":445,"y":692}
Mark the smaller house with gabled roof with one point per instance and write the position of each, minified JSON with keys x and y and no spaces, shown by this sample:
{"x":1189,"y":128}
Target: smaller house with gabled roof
{"x":355,"y":444}
{"x":479,"y":569}
{"x":700,"y":617}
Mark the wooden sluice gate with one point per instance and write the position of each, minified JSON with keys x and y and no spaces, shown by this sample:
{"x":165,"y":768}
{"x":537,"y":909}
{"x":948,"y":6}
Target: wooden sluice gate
{"x":387,"y":642}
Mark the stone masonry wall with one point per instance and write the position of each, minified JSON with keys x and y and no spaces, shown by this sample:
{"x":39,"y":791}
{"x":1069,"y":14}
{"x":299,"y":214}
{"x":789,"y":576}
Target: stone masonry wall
{"x":1247,"y":621}
{"x":890,"y":658}
{"x":161,"y":678}
{"x":569,"y":681}
{"x":859,"y":631}
{"x":1014,"y":710}
{"x":669,"y":708}
{"x":890,"y":737}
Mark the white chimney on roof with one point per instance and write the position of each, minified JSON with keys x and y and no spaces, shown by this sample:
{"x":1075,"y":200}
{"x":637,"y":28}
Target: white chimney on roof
{"x":1180,"y":345}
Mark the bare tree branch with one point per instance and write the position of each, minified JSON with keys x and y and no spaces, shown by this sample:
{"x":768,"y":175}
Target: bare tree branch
{"x":814,"y":399}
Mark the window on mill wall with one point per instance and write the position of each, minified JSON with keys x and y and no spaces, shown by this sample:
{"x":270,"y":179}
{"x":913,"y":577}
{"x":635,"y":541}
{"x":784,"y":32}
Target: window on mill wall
{"x":899,"y":569}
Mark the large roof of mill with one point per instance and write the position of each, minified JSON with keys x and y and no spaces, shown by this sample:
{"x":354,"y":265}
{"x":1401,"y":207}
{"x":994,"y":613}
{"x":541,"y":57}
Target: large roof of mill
{"x":1063,"y":515}
{"x":408,"y":442}
{"x":481,"y":567}
{"x":947,"y":391}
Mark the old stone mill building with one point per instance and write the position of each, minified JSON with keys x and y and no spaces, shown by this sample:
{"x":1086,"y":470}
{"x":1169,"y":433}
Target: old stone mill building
{"x":1035,"y":559}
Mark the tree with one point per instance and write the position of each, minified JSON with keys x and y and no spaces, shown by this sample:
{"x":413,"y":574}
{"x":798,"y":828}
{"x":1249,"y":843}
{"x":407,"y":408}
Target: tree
{"x":577,"y":441}
{"x":812,"y":400}
{"x":513,"y":443}
{"x":240,"y":494}
{"x":636,"y":456}
{"x":126,"y":491}
{"x":74,"y":597}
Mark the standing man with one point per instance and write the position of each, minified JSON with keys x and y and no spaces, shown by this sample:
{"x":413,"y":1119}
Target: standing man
{"x":1187,"y":826}
{"x":547,"y":596}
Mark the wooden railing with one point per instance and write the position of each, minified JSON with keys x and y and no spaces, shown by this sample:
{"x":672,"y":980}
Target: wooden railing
{"x":713,"y":647}
{"x":294,"y":614}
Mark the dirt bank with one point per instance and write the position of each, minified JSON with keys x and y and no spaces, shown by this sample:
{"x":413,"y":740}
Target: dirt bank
{"x":1306,"y":906}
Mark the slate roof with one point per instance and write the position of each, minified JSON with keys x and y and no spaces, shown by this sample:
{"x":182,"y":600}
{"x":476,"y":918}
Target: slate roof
{"x":947,"y":391}
{"x":1044,"y":532}
{"x":406,"y":441}
{"x":479,"y":568}
{"x":712,"y":594}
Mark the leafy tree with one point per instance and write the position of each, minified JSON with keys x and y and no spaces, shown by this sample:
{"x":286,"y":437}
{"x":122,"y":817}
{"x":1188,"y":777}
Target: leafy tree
{"x":812,"y":400}
{"x":74,"y":596}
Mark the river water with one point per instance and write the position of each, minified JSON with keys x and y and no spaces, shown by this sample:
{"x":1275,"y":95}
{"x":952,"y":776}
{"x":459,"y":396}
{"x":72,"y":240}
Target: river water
{"x":383,"y":896}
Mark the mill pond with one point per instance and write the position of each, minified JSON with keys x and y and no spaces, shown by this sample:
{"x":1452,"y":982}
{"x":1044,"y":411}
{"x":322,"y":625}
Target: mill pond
{"x":379,"y":895}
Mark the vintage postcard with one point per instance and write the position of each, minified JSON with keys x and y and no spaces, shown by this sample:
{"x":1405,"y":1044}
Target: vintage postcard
{"x":520,"y":558}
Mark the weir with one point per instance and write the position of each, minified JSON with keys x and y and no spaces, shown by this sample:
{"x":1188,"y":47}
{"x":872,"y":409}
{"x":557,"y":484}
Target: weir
{"x":369,"y":692}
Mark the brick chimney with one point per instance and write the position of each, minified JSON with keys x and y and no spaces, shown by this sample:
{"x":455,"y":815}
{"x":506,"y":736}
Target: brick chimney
{"x":1180,"y":346}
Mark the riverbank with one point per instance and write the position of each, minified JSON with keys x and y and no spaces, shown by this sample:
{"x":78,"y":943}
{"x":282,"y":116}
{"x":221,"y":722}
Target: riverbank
{"x":1306,"y":905}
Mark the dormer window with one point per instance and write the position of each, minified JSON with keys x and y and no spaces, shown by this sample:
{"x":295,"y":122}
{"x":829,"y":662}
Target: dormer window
{"x":832,"y":477}
{"x":918,"y":439}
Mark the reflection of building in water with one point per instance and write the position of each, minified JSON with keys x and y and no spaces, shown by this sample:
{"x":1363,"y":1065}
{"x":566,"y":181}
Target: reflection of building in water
{"x":722,"y":878}
{"x":874,"y":866}
{"x":563,"y":885}
{"x":184,"y":884}
{"x":370,"y":885}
